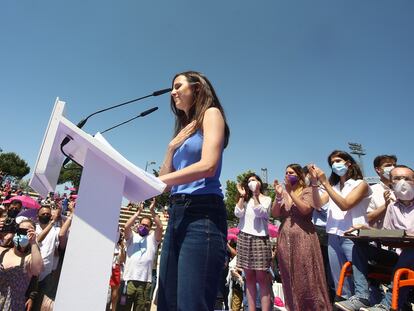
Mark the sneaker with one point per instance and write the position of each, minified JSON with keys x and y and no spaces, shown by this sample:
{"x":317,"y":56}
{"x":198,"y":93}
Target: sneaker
{"x":378,"y":307}
{"x":352,"y":304}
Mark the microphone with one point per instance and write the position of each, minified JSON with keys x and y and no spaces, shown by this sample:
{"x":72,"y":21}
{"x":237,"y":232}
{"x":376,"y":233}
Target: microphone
{"x":156,"y":93}
{"x":142,"y":114}
{"x":83,"y":121}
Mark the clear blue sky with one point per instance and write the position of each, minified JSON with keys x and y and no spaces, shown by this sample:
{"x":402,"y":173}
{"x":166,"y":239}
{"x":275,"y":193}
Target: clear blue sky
{"x":297,"y":79}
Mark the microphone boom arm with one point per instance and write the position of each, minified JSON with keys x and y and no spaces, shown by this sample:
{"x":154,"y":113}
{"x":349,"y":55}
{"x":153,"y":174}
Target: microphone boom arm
{"x":142,"y":114}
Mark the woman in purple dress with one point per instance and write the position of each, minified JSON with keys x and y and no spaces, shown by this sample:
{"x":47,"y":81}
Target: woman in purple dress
{"x":298,"y":251}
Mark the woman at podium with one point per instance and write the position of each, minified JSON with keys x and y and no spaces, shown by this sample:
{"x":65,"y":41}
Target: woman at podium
{"x":194,"y":247}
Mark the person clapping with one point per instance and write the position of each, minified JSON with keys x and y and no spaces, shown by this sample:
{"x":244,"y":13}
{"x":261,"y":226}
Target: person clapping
{"x":253,"y":247}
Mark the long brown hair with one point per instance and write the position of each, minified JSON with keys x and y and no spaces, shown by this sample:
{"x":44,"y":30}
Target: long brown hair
{"x":204,"y":97}
{"x":354,"y":171}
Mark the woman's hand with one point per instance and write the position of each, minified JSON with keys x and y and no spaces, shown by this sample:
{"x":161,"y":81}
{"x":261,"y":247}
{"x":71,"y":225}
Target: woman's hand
{"x":320,"y":175}
{"x":278,"y":188}
{"x":31,"y":235}
{"x":313,"y":174}
{"x":182,"y":136}
{"x":288,"y":185}
{"x":241,"y":190}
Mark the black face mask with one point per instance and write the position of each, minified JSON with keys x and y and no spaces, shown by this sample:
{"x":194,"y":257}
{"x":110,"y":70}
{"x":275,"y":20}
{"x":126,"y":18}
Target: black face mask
{"x":44,"y":220}
{"x":12,"y":213}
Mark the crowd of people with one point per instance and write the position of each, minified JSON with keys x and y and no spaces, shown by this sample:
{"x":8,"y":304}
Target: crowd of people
{"x":317,"y":215}
{"x":32,"y":245}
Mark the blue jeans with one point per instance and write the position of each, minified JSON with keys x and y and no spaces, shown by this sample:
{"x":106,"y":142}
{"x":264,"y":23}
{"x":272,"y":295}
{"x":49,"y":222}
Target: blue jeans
{"x":193,"y":253}
{"x":362,"y":253}
{"x":339,"y":252}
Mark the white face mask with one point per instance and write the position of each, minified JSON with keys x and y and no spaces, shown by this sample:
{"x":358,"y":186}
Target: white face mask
{"x":404,"y":190}
{"x":252,"y":185}
{"x":387,"y":170}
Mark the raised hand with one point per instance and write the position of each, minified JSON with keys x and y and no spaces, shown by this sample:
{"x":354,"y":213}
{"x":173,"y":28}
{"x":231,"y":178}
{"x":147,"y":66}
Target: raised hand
{"x":320,"y":175}
{"x":313,"y":174}
{"x":140,"y":206}
{"x":56,"y":214}
{"x":71,"y":206}
{"x":288,"y":185}
{"x":153,"y":204}
{"x":182,"y":136}
{"x":278,"y":188}
{"x":241,"y":190}
{"x":31,"y":235}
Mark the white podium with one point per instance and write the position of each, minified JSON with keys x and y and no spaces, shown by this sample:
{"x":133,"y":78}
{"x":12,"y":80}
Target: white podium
{"x":107,"y":177}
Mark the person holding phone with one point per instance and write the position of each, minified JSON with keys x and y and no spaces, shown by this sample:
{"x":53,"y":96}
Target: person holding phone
{"x":17,"y":266}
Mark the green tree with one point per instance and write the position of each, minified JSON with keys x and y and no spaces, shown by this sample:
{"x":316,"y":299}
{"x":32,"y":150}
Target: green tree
{"x":12,"y":165}
{"x":24,"y":185}
{"x":71,"y":173}
{"x":164,"y":198}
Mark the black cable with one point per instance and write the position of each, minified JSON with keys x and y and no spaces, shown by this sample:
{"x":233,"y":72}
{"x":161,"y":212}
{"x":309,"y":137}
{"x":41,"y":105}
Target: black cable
{"x":67,"y":156}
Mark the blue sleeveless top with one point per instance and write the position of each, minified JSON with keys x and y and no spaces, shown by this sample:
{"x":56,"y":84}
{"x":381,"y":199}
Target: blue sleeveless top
{"x":188,"y":153}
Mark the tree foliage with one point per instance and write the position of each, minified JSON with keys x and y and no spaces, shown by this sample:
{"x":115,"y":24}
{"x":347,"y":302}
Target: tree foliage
{"x":12,"y":165}
{"x":24,"y":185}
{"x":71,"y":173}
{"x":163,"y":198}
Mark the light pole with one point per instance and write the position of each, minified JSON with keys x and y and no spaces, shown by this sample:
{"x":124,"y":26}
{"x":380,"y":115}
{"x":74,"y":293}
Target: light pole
{"x":148,"y":164}
{"x":264,"y":174}
{"x":359,"y":151}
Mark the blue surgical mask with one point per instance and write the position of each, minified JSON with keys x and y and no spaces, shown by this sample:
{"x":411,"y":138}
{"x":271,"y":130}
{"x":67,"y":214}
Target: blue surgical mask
{"x":21,"y":240}
{"x":339,"y":168}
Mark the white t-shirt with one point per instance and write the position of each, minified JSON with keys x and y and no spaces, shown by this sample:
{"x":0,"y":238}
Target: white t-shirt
{"x":140,"y":253}
{"x":377,"y":200}
{"x":254,"y":219}
{"x":339,"y":221}
{"x":47,"y":249}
